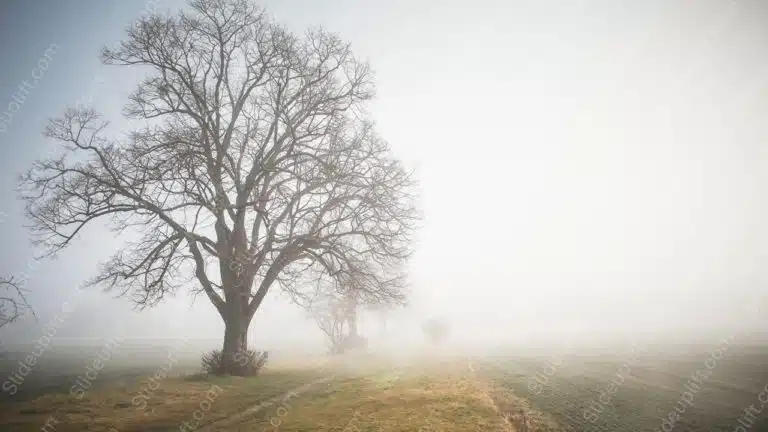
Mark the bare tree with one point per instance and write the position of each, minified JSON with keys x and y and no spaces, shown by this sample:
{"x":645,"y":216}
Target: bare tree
{"x":255,"y":167}
{"x":330,"y":316}
{"x":336,"y":315}
{"x":13,"y":301}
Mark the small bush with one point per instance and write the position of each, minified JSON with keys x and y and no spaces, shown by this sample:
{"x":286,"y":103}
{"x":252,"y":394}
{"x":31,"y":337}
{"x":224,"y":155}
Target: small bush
{"x":248,"y":362}
{"x":211,"y":362}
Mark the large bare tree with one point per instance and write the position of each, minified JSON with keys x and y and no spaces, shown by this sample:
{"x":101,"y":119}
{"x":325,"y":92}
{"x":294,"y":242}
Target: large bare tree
{"x":255,"y":167}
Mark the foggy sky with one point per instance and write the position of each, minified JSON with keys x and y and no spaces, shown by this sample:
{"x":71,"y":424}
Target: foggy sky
{"x":585,"y":166}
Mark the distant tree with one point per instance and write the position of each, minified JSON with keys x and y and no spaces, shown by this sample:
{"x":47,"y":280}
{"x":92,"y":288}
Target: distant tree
{"x":330,"y":316}
{"x":255,"y":167}
{"x":336,"y":315}
{"x":436,"y":330}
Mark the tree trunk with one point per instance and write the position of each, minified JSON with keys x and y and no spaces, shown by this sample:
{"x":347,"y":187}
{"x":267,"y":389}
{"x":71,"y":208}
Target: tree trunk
{"x":237,"y":318}
{"x":234,"y":353}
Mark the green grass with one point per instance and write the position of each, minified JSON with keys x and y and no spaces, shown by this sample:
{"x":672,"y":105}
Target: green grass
{"x":649,"y":391}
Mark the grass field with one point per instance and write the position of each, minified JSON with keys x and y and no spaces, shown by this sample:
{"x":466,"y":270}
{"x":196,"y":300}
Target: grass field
{"x":502,"y":392}
{"x":645,"y":390}
{"x":353,"y":394}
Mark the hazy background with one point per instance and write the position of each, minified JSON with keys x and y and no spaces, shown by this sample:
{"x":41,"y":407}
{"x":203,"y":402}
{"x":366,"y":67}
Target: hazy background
{"x":589,"y":167}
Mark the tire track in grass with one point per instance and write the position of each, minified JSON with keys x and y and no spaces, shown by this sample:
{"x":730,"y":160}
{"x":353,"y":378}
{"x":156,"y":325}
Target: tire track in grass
{"x":243,"y":416}
{"x":280,"y":401}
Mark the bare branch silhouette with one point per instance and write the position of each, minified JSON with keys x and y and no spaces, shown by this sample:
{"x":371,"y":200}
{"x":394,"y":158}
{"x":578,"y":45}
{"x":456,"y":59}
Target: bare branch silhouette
{"x":13,"y":301}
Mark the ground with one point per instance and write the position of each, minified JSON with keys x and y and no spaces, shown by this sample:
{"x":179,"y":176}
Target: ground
{"x":358,"y":394}
{"x":502,"y":392}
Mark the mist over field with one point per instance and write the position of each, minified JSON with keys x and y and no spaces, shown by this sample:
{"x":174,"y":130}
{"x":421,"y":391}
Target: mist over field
{"x":500,"y":199}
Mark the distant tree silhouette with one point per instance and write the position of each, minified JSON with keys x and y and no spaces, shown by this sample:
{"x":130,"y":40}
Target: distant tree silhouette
{"x":436,"y":330}
{"x":330,"y":316}
{"x":336,"y":315}
{"x":255,"y":168}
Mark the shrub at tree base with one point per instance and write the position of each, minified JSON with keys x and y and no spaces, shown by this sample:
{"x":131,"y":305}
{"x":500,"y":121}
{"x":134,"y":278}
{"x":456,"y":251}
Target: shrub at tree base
{"x":250,"y":362}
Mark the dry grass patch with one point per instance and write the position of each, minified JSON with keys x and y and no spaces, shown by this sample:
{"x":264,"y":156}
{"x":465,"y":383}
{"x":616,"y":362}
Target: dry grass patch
{"x":175,"y":401}
{"x":426,"y":396}
{"x":415,"y":399}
